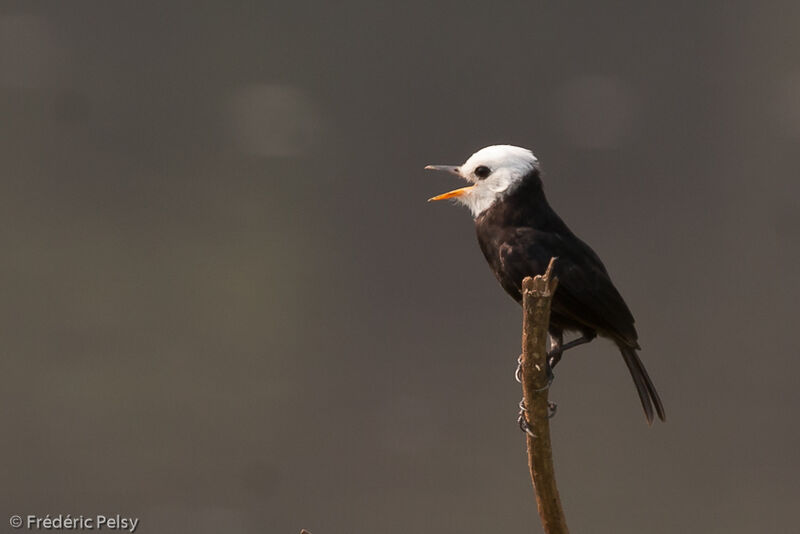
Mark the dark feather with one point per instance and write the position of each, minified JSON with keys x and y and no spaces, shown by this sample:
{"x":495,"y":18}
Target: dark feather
{"x":519,"y":235}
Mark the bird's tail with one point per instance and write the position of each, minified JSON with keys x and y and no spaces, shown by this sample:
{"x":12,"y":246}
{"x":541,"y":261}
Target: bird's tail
{"x":647,"y":391}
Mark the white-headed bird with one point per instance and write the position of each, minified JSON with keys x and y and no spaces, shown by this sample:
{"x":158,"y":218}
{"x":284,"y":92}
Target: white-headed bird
{"x":519,"y":232}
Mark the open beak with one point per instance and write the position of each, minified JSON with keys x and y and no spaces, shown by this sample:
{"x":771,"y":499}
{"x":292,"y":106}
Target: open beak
{"x":450,"y":194}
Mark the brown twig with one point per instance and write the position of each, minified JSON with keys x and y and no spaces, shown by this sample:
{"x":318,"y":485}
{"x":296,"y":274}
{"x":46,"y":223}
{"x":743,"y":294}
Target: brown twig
{"x":536,"y":296}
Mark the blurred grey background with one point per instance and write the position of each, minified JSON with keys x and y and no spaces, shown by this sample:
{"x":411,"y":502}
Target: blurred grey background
{"x":227,"y":307}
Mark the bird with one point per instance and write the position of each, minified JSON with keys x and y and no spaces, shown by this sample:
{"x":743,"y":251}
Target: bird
{"x":518,"y":233}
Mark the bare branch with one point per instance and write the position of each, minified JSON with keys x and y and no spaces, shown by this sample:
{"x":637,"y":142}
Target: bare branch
{"x":537,"y":294}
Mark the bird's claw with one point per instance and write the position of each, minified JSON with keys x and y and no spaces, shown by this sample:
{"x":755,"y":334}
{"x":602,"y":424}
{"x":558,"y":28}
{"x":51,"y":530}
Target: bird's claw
{"x":550,"y":375}
{"x":522,"y":421}
{"x":550,"y":378}
{"x":554,"y":356}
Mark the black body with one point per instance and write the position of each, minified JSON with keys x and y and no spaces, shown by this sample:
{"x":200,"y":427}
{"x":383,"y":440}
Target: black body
{"x":519,"y":234}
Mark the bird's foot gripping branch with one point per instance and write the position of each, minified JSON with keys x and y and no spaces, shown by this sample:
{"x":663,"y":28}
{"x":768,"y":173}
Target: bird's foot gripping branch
{"x":536,"y":410}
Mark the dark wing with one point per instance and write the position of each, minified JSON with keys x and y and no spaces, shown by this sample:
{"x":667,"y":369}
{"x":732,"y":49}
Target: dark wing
{"x":585,"y":295}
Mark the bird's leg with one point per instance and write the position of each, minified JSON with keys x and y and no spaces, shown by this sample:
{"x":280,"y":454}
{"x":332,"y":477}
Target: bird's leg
{"x":557,"y":348}
{"x":586,"y":337}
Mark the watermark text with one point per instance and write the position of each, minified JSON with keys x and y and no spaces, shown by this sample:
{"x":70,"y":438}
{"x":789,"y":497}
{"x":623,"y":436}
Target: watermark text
{"x":116,"y":522}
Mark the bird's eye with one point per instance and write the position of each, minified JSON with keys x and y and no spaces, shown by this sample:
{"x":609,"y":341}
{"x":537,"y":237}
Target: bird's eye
{"x":482,"y":172}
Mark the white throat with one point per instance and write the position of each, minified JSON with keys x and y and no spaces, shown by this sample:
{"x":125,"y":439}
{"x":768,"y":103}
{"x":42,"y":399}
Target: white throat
{"x":481,"y":199}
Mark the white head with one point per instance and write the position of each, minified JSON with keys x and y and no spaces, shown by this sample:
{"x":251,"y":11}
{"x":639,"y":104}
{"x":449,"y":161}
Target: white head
{"x":495,"y":170}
